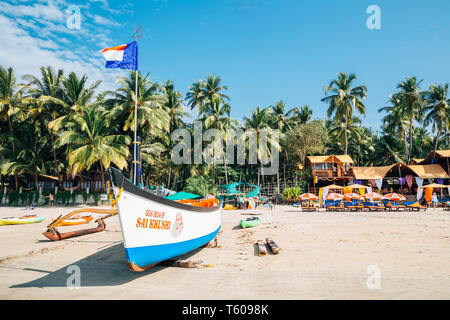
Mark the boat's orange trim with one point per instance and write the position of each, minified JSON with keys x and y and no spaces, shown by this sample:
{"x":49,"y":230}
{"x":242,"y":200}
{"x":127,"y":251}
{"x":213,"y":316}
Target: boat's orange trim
{"x":76,"y":221}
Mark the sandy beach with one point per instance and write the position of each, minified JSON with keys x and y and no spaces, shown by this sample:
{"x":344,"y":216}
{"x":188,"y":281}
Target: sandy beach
{"x":325,"y":255}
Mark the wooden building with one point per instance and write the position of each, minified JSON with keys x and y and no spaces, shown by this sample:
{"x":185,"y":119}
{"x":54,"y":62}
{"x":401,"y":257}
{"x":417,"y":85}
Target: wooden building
{"x":330,"y":169}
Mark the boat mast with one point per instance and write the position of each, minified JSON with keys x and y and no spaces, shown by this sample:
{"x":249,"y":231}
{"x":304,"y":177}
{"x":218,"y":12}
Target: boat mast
{"x":136,"y":162}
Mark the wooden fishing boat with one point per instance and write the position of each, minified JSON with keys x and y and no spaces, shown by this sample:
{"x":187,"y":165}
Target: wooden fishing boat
{"x":250,"y":222}
{"x":156,"y":229}
{"x":74,"y":221}
{"x":21,"y":220}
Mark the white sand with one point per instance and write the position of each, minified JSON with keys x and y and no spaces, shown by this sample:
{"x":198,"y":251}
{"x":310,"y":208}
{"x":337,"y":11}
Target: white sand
{"x":324,"y":255}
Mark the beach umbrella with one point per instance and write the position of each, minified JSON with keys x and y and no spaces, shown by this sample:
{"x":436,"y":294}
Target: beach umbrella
{"x":353,"y":195}
{"x":434,"y":185}
{"x":357,"y":186}
{"x":333,"y":186}
{"x":373,"y":196}
{"x":307,"y":196}
{"x":394,"y":196}
{"x":334,"y":196}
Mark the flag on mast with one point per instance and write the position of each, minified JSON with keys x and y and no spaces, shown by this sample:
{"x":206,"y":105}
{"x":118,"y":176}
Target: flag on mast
{"x":123,"y":56}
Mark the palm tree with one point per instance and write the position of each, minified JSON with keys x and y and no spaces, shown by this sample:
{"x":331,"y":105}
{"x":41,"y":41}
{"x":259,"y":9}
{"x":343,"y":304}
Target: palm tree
{"x":396,"y":122}
{"x":284,"y":121}
{"x":10,"y":102}
{"x":45,"y":101}
{"x":32,"y":153}
{"x":437,"y":109}
{"x":259,"y":123}
{"x":150,"y":116}
{"x":344,"y":100}
{"x":410,"y":98}
{"x":195,"y":94}
{"x":303,"y":115}
{"x":174,"y":106}
{"x":216,"y":115}
{"x":91,"y":141}
{"x":203,"y":91}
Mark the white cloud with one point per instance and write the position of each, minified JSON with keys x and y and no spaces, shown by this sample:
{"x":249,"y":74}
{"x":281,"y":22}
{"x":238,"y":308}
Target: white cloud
{"x":105,"y":21}
{"x":26,"y":54}
{"x":49,"y":12}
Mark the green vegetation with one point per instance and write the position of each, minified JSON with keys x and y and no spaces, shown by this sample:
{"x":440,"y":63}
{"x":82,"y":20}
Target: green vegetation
{"x":200,"y":185}
{"x":291,"y":194}
{"x":53,"y":124}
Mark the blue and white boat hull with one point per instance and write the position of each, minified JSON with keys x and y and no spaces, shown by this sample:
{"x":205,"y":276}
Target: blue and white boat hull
{"x":156,"y":229}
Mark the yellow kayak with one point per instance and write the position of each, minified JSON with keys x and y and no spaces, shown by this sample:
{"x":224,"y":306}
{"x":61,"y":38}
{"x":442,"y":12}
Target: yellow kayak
{"x":21,"y":220}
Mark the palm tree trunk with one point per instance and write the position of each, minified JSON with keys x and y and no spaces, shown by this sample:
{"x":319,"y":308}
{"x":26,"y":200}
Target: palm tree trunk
{"x":225,"y":167}
{"x":103,"y":175}
{"x":36,"y":181}
{"x":16,"y":178}
{"x":410,"y":138}
{"x":346,"y":128}
{"x":405,"y":141}
{"x":436,"y":143}
{"x":168,"y":179}
{"x":55,"y":160}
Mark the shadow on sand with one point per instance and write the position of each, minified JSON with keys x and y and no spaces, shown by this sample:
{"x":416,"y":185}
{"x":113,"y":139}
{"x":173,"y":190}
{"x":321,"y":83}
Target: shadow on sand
{"x":107,"y":267}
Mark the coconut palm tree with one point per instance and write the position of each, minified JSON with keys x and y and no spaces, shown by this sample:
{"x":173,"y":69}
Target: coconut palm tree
{"x":215,"y":114}
{"x":396,"y":122}
{"x":10,"y":103}
{"x":259,"y":123}
{"x":437,"y":110}
{"x":32,"y":153}
{"x":45,"y":103}
{"x":151,"y":116}
{"x":195,"y":94}
{"x":91,"y":141}
{"x":411,"y":100}
{"x":202,"y":91}
{"x":344,"y":100}
{"x":173,"y":105}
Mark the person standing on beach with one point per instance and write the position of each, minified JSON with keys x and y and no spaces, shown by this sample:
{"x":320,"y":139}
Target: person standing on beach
{"x":434,"y":200}
{"x":50,"y":200}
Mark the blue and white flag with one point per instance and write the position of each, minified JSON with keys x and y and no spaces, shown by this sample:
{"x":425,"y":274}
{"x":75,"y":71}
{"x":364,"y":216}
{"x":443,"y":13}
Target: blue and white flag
{"x":123,"y":56}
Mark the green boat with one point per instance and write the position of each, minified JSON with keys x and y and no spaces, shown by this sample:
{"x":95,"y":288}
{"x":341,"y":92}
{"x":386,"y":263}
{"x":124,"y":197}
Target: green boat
{"x":250,"y":222}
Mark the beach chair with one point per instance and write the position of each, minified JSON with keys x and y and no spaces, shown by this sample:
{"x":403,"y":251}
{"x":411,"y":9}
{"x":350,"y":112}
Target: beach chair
{"x":372,"y":206}
{"x":308,"y":207}
{"x":414,"y":206}
{"x":335,"y":205}
{"x":447,"y":206}
{"x":329,"y":204}
{"x":391,"y":206}
{"x":353,"y":206}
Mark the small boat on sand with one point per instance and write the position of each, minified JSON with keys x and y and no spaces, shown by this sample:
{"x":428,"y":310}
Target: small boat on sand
{"x":155,"y":229}
{"x":21,"y":220}
{"x":250,"y":222}
{"x":74,"y":221}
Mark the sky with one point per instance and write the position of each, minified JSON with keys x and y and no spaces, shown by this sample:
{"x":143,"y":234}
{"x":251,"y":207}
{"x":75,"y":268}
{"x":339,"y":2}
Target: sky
{"x":263,"y":50}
